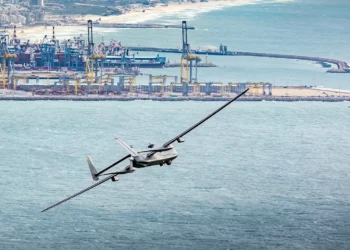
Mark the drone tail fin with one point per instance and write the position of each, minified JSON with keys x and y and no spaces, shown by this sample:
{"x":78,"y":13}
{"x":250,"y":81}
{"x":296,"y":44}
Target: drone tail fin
{"x":92,"y":169}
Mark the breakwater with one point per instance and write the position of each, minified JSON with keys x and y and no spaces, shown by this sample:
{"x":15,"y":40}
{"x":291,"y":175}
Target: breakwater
{"x":342,"y":67}
{"x":200,"y":65}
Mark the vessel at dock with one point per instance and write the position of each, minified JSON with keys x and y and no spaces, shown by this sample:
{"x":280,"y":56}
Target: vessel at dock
{"x":40,"y":59}
{"x":51,"y":53}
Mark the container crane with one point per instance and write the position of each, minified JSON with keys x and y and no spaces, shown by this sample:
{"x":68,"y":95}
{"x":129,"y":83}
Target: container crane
{"x":94,"y":61}
{"x":188,"y":62}
{"x":6,"y":59}
{"x":161,"y":80}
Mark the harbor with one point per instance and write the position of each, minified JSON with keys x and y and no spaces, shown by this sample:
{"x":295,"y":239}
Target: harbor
{"x":79,"y":69}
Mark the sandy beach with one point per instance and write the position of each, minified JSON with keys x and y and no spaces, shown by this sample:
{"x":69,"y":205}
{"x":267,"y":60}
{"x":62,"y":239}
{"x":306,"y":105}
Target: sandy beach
{"x":307,"y":92}
{"x":187,"y":10}
{"x":136,"y":14}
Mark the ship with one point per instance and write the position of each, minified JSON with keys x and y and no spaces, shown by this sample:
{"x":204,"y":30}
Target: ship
{"x":27,"y":60}
{"x":56,"y":55}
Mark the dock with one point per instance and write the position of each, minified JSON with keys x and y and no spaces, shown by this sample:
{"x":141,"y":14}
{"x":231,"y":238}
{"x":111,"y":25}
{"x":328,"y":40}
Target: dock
{"x":98,"y":93}
{"x":342,"y":67}
{"x":134,"y":98}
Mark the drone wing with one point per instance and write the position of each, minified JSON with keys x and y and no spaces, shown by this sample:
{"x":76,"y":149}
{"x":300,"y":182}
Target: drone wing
{"x":79,"y":193}
{"x":177,"y":138}
{"x":95,"y":176}
{"x":127,"y":170}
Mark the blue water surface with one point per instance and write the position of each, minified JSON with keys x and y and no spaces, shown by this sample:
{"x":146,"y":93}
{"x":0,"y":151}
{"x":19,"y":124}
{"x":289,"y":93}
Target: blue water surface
{"x":264,"y":175}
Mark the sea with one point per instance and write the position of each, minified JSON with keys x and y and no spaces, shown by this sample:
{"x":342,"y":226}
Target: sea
{"x":258,"y":175}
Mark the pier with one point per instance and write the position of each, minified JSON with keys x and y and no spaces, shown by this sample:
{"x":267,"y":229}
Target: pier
{"x":342,"y":67}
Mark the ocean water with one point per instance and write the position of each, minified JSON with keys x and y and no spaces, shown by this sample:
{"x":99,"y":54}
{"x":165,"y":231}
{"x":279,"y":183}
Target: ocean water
{"x":264,"y":175}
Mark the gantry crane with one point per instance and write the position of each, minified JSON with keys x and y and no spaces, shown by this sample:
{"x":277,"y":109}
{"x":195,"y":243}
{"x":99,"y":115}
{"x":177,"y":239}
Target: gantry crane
{"x":258,"y":89}
{"x":196,"y":86}
{"x":159,"y":80}
{"x":94,"y":61}
{"x":6,"y":59}
{"x":187,"y":62}
{"x":220,"y":86}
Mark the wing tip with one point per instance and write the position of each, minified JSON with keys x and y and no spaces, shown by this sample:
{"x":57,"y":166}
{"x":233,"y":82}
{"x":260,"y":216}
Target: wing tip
{"x":44,"y":210}
{"x":80,"y":192}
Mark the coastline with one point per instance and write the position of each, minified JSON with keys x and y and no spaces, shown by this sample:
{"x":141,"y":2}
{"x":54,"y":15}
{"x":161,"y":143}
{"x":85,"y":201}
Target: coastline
{"x":137,"y":14}
{"x":167,"y":99}
{"x":279,"y":93}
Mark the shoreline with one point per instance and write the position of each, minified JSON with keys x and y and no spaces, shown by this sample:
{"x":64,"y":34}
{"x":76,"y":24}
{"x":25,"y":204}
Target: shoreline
{"x":203,"y":99}
{"x":135,"y":15}
{"x":279,"y":94}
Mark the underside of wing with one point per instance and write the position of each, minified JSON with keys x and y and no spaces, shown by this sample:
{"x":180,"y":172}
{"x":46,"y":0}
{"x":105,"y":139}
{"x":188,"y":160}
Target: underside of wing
{"x":82,"y":191}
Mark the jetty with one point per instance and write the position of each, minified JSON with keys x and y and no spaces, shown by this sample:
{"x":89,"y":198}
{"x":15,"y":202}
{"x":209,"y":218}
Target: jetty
{"x":200,"y":65}
{"x":342,"y":67}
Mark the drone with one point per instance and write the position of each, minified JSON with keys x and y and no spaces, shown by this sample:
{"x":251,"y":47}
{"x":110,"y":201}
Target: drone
{"x":165,"y":154}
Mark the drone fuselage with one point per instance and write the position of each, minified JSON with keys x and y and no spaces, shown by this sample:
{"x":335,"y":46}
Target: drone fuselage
{"x":158,"y":158}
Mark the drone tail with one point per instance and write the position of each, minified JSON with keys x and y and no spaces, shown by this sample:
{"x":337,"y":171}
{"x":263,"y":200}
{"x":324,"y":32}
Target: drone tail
{"x":92,"y":169}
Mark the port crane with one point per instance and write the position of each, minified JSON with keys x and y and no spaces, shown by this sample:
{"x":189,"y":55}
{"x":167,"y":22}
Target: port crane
{"x":93,"y":58}
{"x":188,"y":61}
{"x":7,"y":58}
{"x":164,"y":154}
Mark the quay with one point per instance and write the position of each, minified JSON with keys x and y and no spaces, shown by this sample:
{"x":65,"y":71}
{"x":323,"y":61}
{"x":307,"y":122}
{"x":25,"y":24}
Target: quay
{"x":164,"y":93}
{"x":342,"y":67}
{"x":134,"y":98}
